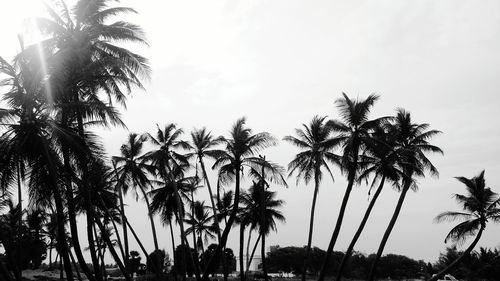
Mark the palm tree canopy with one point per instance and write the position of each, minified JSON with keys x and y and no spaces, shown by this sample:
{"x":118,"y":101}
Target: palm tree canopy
{"x":479,"y":205}
{"x":240,"y":150}
{"x":252,"y":209}
{"x":413,"y":141}
{"x":317,"y":144}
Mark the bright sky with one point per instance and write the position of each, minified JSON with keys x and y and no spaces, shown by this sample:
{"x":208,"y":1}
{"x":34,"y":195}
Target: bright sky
{"x":279,"y":63}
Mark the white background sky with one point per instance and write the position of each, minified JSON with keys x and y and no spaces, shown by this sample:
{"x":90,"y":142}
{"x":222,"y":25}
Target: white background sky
{"x":279,"y":63}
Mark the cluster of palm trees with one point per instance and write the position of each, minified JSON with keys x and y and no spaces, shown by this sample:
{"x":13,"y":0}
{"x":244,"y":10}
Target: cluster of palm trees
{"x":60,"y":88}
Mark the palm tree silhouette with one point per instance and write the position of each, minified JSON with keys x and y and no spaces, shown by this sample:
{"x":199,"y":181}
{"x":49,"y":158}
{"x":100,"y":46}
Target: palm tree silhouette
{"x":239,"y":152}
{"x":132,"y":172}
{"x":202,"y":142}
{"x":254,"y":201}
{"x":479,"y":206}
{"x":85,"y":62}
{"x":412,"y":140}
{"x":201,"y":223}
{"x":354,"y":133}
{"x":379,"y":160}
{"x":168,"y":200}
{"x":316,"y":144}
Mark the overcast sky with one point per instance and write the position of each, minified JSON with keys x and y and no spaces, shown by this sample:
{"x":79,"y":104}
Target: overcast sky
{"x":279,"y":63}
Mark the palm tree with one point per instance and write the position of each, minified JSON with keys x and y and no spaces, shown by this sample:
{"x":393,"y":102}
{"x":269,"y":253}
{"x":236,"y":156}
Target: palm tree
{"x":479,"y":206}
{"x":316,"y":144}
{"x":256,"y":200}
{"x":202,"y":142}
{"x":86,"y":62}
{"x":168,"y":201}
{"x":201,"y":223}
{"x":240,"y":150}
{"x":31,"y":138}
{"x":132,"y":172}
{"x":412,"y":140}
{"x":354,"y":130}
{"x":167,"y":162}
{"x":380,"y":161}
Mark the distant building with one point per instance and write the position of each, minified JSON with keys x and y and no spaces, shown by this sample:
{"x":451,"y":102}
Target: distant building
{"x":255,"y":265}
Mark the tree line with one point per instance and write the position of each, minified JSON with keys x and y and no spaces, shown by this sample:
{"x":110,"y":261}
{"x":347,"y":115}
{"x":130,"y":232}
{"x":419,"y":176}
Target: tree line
{"x":59,"y":89}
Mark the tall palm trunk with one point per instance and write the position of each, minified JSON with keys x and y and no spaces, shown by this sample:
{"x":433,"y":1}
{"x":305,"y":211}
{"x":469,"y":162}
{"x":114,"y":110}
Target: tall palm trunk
{"x":72,"y":217}
{"x":143,"y":249}
{"x":461,"y":257}
{"x":212,"y":201}
{"x":195,"y":245}
{"x":253,"y":253}
{"x":112,"y":250}
{"x":173,"y":249}
{"x":19,"y":272}
{"x":234,"y":212}
{"x":360,"y":229}
{"x":242,"y":258}
{"x":73,"y":262}
{"x":311,"y":225}
{"x":124,"y":222}
{"x":150,"y":215}
{"x":88,"y":198}
{"x":263,"y":222}
{"x":388,"y":230}
{"x":247,"y":254}
{"x":180,"y":219}
{"x":61,"y":235}
{"x":340,"y":218}
{"x":61,"y":232}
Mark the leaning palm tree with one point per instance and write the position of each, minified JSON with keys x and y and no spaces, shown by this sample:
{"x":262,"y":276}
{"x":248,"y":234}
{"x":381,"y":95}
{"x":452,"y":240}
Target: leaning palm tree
{"x":413,"y":141}
{"x":380,"y":162}
{"x":132,"y":172}
{"x":240,"y":151}
{"x":316,"y":144}
{"x":479,"y":206}
{"x":354,"y":130}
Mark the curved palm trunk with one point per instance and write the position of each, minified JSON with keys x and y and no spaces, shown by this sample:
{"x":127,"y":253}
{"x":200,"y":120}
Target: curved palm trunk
{"x":247,"y":253}
{"x":218,"y":251}
{"x":61,"y":234}
{"x":146,"y":255}
{"x":72,"y":218}
{"x":253,"y":253}
{"x":460,"y":258}
{"x":88,"y":198}
{"x":73,"y":262}
{"x":360,"y":229}
{"x":214,"y":208}
{"x":338,"y":225}
{"x":150,"y":215}
{"x":242,"y":242}
{"x":311,"y":225}
{"x":388,"y":231}
{"x":106,"y":211}
{"x":112,"y":249}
